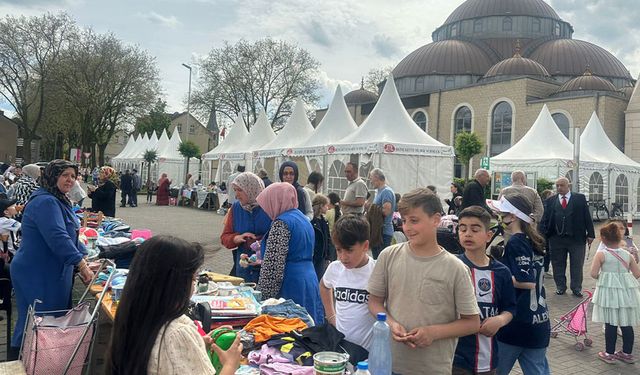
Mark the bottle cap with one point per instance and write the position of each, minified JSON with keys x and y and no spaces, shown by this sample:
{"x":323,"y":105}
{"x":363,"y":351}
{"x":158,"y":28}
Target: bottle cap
{"x":363,"y":365}
{"x":382,"y":317}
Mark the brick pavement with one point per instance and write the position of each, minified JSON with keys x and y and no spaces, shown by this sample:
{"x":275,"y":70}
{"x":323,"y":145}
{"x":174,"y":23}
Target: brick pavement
{"x":205,"y":227}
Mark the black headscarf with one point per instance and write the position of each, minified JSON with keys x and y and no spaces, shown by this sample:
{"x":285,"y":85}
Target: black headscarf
{"x":301,"y":194}
{"x":50,"y":176}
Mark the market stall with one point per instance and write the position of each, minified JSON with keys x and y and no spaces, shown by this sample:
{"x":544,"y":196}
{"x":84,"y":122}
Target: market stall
{"x":219,"y":169}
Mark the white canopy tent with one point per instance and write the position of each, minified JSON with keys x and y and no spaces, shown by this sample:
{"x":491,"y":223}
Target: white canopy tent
{"x":235,"y":139}
{"x":118,"y":159}
{"x":171,"y":162}
{"x":296,"y":130}
{"x":390,"y":140}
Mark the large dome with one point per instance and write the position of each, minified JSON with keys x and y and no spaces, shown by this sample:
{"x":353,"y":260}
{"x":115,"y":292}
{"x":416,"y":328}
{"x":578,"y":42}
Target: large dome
{"x":484,"y":8}
{"x":450,"y":57}
{"x":570,"y":57}
{"x":516,"y":66}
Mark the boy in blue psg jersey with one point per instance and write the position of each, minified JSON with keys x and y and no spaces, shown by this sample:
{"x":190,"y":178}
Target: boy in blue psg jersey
{"x":478,"y":353}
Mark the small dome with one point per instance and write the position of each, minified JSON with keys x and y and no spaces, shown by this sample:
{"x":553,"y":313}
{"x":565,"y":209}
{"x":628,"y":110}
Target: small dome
{"x":360,"y":96}
{"x":450,"y":57}
{"x":568,"y":57}
{"x":486,"y":8}
{"x":587,"y":82}
{"x":517,"y":66}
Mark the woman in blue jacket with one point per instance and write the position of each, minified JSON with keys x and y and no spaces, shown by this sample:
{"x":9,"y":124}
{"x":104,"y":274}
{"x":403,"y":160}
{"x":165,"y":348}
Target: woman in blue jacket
{"x":43,"y":267}
{"x":287,"y":268}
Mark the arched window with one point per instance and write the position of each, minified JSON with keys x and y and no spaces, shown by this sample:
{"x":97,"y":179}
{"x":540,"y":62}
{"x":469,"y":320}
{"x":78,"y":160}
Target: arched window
{"x":563,"y":123}
{"x":461,"y":123}
{"x":596,"y":187}
{"x":507,"y":24}
{"x":314,"y":166}
{"x":364,"y":171}
{"x":454,"y":29}
{"x":501,"y":119}
{"x":421,"y":120}
{"x":477,"y":26}
{"x":536,"y":25}
{"x":336,"y":180}
{"x":257,"y":167}
{"x":622,"y":192}
{"x":556,"y":29}
{"x":449,"y":82}
{"x":226,"y":172}
{"x":569,"y":176}
{"x":420,"y":84}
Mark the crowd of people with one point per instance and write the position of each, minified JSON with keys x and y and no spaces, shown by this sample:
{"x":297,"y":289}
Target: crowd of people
{"x":470,"y":313}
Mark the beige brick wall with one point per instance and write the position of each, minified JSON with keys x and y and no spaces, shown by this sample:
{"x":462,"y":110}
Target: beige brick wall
{"x":200,"y":136}
{"x":8,"y":140}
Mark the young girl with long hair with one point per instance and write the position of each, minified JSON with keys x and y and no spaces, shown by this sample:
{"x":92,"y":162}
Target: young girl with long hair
{"x":151,"y":333}
{"x":333,"y":213}
{"x":526,"y":337}
{"x":616,"y":301}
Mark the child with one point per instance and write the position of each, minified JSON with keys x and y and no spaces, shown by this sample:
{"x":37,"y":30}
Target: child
{"x":626,"y":243}
{"x":616,"y":301}
{"x":478,"y":353}
{"x":343,"y":288}
{"x":426,"y":292}
{"x":8,"y":228}
{"x":526,"y":337}
{"x":333,"y":213}
{"x":323,"y":251}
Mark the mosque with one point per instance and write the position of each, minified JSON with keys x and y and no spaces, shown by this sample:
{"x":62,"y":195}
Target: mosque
{"x":492,"y":66}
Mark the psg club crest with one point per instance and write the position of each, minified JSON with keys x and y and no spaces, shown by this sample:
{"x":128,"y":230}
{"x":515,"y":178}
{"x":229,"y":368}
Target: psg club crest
{"x":389,"y":148}
{"x":484,"y":285}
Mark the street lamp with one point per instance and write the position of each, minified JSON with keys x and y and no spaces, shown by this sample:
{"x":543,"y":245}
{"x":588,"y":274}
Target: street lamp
{"x":188,"y":100}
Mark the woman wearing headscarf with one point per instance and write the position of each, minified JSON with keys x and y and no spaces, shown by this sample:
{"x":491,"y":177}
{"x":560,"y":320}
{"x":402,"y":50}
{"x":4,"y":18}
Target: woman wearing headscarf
{"x":289,"y":174}
{"x":27,"y":184}
{"x":43,"y":268}
{"x":287,"y":268}
{"x":245,"y":223}
{"x":162,"y":196}
{"x":103,"y":198}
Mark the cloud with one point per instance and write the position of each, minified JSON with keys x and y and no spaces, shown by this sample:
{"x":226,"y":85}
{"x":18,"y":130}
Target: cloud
{"x":385,"y":46}
{"x":317,"y":33}
{"x":159,"y":19}
{"x":28,"y":3}
{"x":328,"y":87}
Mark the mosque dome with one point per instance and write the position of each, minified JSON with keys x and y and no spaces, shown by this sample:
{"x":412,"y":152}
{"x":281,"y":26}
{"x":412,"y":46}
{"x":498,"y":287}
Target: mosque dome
{"x":486,"y":8}
{"x":516,"y":66}
{"x":586,"y":82}
{"x":450,"y":57}
{"x":360,"y":96}
{"x":569,"y":57}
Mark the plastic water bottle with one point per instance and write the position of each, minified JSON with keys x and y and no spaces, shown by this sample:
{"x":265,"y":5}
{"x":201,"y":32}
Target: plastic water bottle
{"x":363,"y":369}
{"x":380,"y":353}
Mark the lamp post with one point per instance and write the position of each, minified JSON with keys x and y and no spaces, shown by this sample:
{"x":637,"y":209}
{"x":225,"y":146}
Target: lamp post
{"x":188,"y":100}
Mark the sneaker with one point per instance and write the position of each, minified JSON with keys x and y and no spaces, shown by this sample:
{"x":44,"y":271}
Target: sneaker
{"x":624,"y":357}
{"x":607,"y":358}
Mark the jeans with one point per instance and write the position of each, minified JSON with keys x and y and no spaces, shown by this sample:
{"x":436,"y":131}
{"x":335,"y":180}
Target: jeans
{"x":532,"y":361}
{"x":133,"y":198}
{"x":386,"y":242}
{"x":288,"y":309}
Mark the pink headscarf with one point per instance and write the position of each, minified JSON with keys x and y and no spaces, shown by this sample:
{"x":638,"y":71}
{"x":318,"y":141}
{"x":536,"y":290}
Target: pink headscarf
{"x":278,"y":198}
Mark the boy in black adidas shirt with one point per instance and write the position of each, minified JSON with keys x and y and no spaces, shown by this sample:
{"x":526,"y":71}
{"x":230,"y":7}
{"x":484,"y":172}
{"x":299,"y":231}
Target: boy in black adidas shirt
{"x":478,"y":353}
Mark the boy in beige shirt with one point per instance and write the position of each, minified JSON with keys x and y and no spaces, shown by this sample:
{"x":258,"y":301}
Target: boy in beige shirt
{"x":425,"y":291}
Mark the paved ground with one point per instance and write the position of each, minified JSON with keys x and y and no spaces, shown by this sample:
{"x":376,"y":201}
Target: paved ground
{"x":205,"y":227}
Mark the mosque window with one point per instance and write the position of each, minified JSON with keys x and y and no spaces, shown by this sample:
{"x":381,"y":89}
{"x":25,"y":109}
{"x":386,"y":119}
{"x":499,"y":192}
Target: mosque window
{"x":507,"y":24}
{"x":449,"y":82}
{"x":420,"y":118}
{"x":462,"y":123}
{"x":501,"y":120}
{"x":336,"y":180}
{"x":419,"y":83}
{"x":454,"y":29}
{"x":563,"y":123}
{"x":477,"y":26}
{"x":556,"y":29}
{"x":536,"y":28}
{"x":622,"y":192}
{"x":596,"y":187}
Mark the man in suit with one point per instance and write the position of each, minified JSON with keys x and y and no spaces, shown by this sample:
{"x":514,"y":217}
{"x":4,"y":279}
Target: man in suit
{"x":126,"y":185}
{"x":568,"y":226}
{"x":474,"y":190}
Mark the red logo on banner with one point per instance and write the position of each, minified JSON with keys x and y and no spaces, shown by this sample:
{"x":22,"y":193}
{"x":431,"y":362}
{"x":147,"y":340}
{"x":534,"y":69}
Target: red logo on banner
{"x":221,"y":156}
{"x":289,"y":152}
{"x":331,"y":149}
{"x":389,"y":148}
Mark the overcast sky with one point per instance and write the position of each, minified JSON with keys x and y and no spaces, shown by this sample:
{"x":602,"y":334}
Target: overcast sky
{"x":348,"y":37}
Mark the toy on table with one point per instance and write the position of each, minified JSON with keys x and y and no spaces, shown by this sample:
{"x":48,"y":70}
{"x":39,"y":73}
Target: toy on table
{"x":255,"y":259}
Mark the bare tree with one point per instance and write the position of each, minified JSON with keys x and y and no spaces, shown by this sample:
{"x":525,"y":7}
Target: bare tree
{"x":29,"y":48}
{"x":245,"y":77}
{"x":375,"y":77}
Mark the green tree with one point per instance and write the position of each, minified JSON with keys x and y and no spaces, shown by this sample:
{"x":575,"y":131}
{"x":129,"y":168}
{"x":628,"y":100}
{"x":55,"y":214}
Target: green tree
{"x":543,"y":184}
{"x":247,"y":76}
{"x":156,"y":120}
{"x":189,"y":150}
{"x":150,"y":157}
{"x":30,"y":47}
{"x":467,"y":145}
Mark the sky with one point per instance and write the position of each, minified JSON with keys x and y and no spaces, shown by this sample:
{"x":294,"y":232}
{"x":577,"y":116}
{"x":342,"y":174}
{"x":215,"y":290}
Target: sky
{"x":348,"y":38}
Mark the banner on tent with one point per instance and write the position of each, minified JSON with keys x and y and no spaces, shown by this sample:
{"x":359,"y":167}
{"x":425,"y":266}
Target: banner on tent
{"x":308,"y":151}
{"x":391,"y":148}
{"x":233,"y":156}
